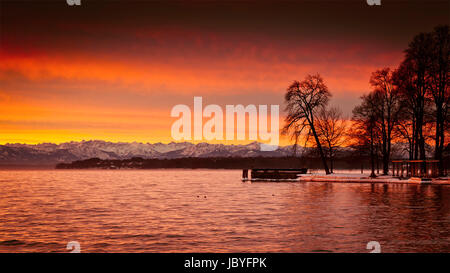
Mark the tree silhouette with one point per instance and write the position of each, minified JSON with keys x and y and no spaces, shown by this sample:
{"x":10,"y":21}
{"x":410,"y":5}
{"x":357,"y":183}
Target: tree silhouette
{"x":440,"y":87}
{"x":412,"y":77}
{"x":423,"y":81}
{"x":303,"y":100}
{"x":365,"y":130}
{"x":387,"y":104}
{"x":331,"y":130}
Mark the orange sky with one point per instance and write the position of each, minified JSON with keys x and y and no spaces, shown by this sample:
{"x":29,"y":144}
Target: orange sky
{"x":113,"y":71}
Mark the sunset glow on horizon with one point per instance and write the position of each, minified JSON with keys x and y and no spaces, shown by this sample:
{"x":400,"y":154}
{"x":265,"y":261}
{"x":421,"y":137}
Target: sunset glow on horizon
{"x":113,"y":71}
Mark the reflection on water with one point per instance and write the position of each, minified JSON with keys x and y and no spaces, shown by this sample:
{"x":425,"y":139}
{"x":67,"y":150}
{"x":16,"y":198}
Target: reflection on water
{"x":213,"y":211}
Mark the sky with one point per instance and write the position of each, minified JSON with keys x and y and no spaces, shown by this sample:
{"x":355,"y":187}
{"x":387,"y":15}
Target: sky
{"x":113,"y":70}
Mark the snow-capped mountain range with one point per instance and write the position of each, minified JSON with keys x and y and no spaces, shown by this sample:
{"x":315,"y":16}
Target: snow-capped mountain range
{"x":49,"y":153}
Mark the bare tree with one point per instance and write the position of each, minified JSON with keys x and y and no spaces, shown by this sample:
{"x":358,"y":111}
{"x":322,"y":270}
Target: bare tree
{"x":387,"y":105}
{"x":412,"y":78}
{"x":331,"y":130}
{"x":303,"y":100}
{"x":405,"y":128}
{"x":439,"y":87}
{"x":365,"y":130}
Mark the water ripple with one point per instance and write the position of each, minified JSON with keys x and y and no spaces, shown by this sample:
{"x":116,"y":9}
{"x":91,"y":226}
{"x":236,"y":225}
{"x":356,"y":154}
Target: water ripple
{"x":213,"y":211}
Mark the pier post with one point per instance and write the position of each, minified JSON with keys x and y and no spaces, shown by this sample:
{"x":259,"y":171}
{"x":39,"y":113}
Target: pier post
{"x":245,"y":174}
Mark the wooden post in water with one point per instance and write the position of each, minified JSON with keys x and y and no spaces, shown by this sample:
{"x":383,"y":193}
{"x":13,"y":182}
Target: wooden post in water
{"x":245,"y":174}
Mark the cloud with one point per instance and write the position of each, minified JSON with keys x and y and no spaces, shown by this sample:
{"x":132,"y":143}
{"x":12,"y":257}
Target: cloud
{"x":86,"y":72}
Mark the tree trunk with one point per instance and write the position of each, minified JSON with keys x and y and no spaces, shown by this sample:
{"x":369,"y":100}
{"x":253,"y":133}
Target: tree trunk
{"x":378,"y":163}
{"x":416,"y":143}
{"x":420,"y":141}
{"x":322,"y":155}
{"x":384,"y":152}
{"x":331,"y":161}
{"x":372,"y":155}
{"x":441,"y":159}
{"x":439,"y":145}
{"x":388,"y":155}
{"x":413,"y":139}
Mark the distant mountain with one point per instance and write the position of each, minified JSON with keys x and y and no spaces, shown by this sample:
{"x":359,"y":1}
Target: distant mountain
{"x":50,"y":153}
{"x":23,"y":155}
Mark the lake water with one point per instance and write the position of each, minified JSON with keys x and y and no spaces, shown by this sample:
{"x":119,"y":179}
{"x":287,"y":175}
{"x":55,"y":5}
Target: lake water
{"x":213,"y":211}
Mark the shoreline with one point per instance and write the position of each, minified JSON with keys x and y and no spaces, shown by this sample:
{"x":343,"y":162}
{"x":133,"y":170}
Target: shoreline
{"x":359,"y":178}
{"x":385,"y":180}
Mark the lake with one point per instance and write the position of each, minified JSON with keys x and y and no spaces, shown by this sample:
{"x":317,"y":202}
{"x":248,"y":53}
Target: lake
{"x":213,"y":211}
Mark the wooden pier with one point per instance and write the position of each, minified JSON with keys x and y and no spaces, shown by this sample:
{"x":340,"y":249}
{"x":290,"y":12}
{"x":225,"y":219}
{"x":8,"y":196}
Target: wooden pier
{"x":273,"y":174}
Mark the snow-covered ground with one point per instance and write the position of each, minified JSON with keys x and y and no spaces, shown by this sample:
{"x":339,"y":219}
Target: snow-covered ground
{"x":346,"y":176}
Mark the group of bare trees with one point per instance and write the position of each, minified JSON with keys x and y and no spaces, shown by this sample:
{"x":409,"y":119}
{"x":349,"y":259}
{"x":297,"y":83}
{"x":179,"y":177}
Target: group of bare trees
{"x":423,"y":81}
{"x":376,"y":118}
{"x":407,"y":105}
